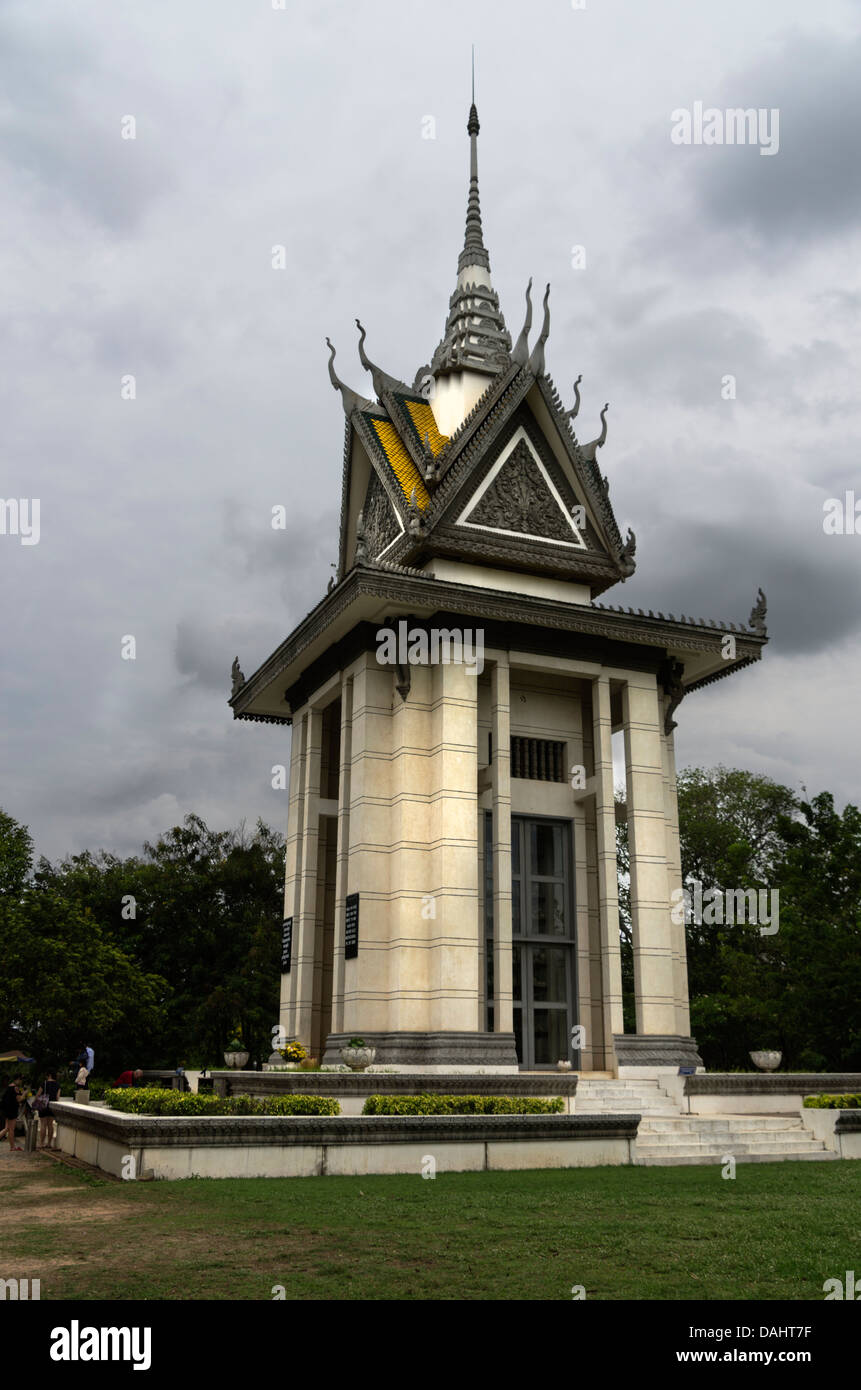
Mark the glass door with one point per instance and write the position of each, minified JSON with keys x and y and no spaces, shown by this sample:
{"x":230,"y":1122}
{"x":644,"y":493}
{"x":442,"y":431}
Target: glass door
{"x":542,"y":928}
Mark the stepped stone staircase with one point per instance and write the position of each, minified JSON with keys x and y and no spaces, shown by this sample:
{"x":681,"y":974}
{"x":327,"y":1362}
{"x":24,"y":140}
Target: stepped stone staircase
{"x":669,"y":1136}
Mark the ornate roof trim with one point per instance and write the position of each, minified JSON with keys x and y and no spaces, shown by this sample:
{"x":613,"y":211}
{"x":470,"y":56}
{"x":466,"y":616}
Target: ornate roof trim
{"x":399,"y":585}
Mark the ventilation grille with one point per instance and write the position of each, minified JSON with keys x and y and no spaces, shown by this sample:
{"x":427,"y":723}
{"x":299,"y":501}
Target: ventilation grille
{"x":540,"y":759}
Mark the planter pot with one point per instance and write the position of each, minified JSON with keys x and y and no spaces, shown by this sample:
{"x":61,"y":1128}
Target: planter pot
{"x":235,"y":1059}
{"x":358,"y":1058}
{"x":766,"y":1061}
{"x":82,"y":1097}
{"x":563,"y":1066}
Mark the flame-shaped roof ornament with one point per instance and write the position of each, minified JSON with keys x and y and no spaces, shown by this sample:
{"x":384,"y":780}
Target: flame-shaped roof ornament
{"x":520,"y":355}
{"x":349,"y":398}
{"x":536,"y":361}
{"x":589,"y":450}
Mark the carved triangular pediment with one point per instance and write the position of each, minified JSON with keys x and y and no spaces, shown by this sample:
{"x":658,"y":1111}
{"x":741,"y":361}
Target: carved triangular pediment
{"x":518,"y":498}
{"x":382,"y":525}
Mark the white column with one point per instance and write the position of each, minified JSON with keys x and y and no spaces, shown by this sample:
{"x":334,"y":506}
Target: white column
{"x":304,"y":924}
{"x":341,"y":889}
{"x":293,"y":863}
{"x":608,"y":880}
{"x":674,"y":882}
{"x":654,"y":982}
{"x":503,"y":1012}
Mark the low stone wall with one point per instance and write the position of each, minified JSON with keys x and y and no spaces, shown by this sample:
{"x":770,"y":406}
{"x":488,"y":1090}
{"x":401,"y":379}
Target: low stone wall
{"x":351,"y":1089}
{"x":278,"y":1146}
{"x":839,"y":1130}
{"x":744,"y":1093}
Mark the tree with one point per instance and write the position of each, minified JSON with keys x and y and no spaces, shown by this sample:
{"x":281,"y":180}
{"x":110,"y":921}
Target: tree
{"x":202,"y":910}
{"x":62,"y":977}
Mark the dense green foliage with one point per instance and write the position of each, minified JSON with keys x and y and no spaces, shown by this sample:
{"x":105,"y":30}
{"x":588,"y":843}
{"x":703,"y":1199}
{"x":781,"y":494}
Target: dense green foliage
{"x":152,"y":1100}
{"x":154,"y":960}
{"x":847,"y":1102}
{"x":461,"y":1105}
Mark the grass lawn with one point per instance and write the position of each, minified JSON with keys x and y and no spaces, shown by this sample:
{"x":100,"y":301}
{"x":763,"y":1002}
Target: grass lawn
{"x":777,"y":1231}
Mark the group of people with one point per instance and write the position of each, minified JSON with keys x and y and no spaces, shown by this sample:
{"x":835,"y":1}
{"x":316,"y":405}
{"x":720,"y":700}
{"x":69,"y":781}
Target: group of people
{"x":14,"y":1100}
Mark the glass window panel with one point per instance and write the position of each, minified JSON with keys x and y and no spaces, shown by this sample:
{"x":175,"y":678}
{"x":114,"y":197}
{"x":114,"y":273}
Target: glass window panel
{"x":517,"y":989}
{"x":518,"y":1033}
{"x":550,"y":975}
{"x":488,"y":971}
{"x":547,"y":917}
{"x":516,"y":928}
{"x":551,"y":1035}
{"x":516,"y":827}
{"x":547,"y":849}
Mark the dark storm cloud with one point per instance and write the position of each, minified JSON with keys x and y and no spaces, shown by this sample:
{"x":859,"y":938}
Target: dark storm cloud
{"x":811,"y":188}
{"x":730,"y":201}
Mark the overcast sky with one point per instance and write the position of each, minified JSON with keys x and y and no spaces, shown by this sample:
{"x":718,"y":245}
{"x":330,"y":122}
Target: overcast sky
{"x":303,"y":127}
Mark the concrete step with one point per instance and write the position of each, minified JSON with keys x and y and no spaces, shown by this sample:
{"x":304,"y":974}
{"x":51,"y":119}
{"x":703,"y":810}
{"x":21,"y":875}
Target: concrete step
{"x":663,"y":1160}
{"x":666,"y":1124}
{"x":735,"y":1146}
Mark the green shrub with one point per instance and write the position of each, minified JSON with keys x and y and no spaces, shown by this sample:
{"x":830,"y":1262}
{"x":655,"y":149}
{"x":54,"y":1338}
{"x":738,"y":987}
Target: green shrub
{"x":847,"y":1102}
{"x":461,"y":1105}
{"x":151,"y":1100}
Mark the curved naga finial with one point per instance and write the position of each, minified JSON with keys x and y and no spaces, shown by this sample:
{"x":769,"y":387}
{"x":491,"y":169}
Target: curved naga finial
{"x":237,"y":678}
{"x":629,"y":549}
{"x":589,"y":450}
{"x":757,"y":614}
{"x":349,"y":398}
{"x":536,"y":361}
{"x":382,"y":381}
{"x":575,"y":409}
{"x":520,"y":355}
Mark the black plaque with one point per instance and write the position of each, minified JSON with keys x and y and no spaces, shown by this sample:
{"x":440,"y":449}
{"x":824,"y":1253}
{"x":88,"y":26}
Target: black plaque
{"x":351,"y":927}
{"x":286,"y":944}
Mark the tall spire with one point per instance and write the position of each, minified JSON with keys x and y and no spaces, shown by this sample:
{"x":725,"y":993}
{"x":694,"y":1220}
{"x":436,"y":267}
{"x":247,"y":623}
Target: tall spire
{"x":473,"y":252}
{"x":475,"y":336}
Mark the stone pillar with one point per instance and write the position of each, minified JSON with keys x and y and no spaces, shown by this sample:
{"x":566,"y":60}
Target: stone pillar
{"x":341,"y":890}
{"x":293,"y":863}
{"x":304,"y":922}
{"x":503,"y":1012}
{"x":608,"y":880}
{"x":674,"y":882}
{"x":654,"y":982}
{"x":456,"y":941}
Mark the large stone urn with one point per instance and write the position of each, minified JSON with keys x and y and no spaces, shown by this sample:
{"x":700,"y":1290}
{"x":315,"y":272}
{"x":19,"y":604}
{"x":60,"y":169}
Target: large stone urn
{"x":766,"y":1061}
{"x":358,"y":1058}
{"x":235,"y":1059}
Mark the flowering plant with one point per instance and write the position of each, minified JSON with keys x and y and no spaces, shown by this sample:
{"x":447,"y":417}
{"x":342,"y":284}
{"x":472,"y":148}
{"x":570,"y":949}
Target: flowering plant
{"x":293,"y":1052}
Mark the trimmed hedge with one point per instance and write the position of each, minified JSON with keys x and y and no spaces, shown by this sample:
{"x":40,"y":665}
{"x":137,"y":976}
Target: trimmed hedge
{"x":152,"y":1100}
{"x":848,"y":1102}
{"x":461,"y":1105}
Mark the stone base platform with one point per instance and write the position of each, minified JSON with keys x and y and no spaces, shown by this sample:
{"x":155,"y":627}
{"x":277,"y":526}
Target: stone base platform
{"x":276,"y":1146}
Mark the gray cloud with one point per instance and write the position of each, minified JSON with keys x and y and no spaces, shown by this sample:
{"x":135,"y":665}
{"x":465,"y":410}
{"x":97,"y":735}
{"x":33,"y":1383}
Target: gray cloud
{"x":303,"y":129}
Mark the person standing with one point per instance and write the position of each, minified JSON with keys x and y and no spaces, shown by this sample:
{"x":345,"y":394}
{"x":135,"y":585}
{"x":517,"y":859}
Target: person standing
{"x":9,"y":1106}
{"x":50,"y":1089}
{"x":81,"y":1078}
